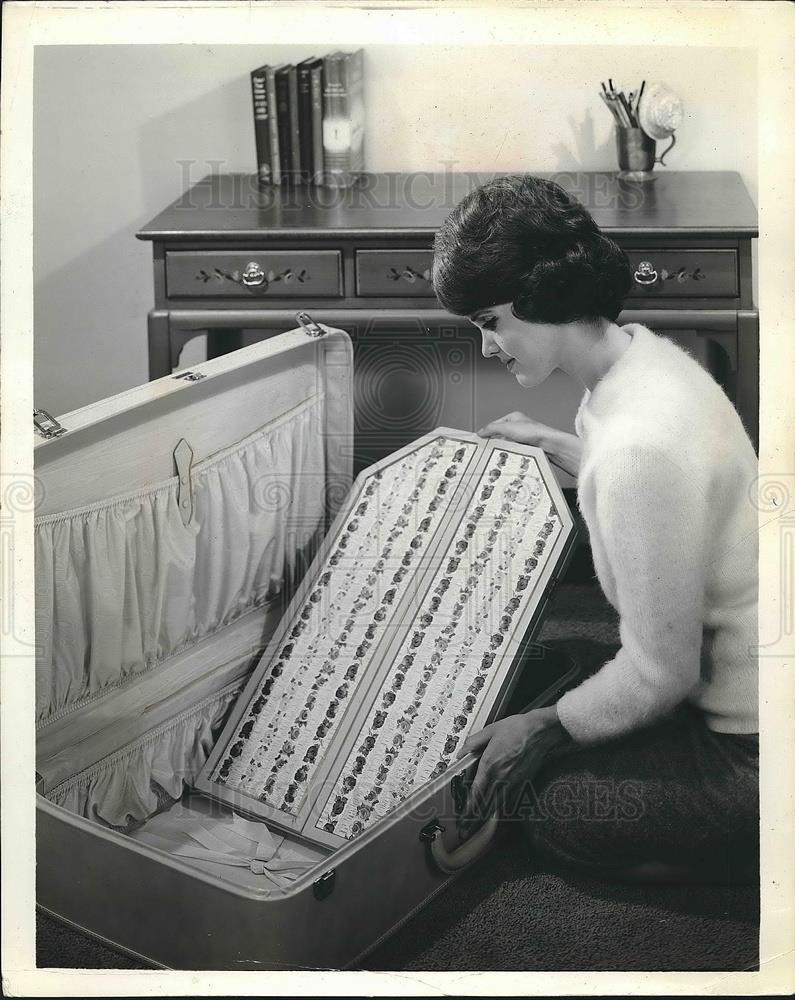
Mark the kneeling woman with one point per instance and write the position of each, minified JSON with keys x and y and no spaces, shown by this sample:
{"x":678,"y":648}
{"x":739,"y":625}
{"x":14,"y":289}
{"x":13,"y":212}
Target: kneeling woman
{"x":664,"y":473}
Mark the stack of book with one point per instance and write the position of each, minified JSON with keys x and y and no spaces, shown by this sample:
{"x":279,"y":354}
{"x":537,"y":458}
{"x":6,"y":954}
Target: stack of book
{"x":309,"y":120}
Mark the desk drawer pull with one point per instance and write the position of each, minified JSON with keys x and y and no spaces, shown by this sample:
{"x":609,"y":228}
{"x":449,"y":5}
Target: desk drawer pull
{"x":683,"y":274}
{"x":253,"y":274}
{"x":645,"y":274}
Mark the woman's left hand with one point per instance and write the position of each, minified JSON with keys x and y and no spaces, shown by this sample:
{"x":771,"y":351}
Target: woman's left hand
{"x":513,"y":751}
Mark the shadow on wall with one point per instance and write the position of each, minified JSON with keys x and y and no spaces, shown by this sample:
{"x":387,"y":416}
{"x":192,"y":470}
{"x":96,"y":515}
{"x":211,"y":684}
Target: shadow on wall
{"x":598,"y":155}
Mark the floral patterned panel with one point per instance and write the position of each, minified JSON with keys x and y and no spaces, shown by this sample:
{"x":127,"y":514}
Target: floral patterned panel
{"x":439,"y":674}
{"x":331,"y":640}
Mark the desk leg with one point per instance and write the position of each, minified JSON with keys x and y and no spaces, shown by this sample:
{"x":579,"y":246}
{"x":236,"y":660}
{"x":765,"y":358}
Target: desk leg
{"x":159,"y":336}
{"x":748,"y":373}
{"x":222,"y":341}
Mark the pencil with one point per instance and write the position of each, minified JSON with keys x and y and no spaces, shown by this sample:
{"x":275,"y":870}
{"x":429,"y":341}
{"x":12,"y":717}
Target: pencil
{"x":610,"y":108}
{"x":628,"y":109}
{"x":622,"y":111}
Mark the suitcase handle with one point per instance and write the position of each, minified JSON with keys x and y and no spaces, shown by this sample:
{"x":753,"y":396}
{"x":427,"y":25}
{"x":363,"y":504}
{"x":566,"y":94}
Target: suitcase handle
{"x":450,"y":862}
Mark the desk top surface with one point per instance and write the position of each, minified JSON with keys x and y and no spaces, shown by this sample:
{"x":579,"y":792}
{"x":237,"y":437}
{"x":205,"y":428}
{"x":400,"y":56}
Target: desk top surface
{"x":227,"y":206}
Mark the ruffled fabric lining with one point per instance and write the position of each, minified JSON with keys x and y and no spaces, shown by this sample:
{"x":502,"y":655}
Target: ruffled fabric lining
{"x":123,"y":584}
{"x":149,"y":775}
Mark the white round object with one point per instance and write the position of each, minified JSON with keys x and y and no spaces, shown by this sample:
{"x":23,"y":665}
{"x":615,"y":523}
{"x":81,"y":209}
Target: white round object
{"x":660,"y":111}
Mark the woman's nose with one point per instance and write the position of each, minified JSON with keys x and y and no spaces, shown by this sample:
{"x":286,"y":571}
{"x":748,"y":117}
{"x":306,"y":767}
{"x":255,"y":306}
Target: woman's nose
{"x":489,"y":345}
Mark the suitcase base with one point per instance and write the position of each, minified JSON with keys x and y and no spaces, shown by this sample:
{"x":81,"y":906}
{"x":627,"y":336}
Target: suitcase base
{"x":222,"y":916}
{"x":157,"y":591}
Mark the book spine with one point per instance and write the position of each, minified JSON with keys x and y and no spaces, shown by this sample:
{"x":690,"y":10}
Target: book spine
{"x":336,"y":141}
{"x":273,"y":125}
{"x":305,"y":120}
{"x":262,"y":133}
{"x":343,"y":126}
{"x":356,"y":90}
{"x":317,"y":124}
{"x":283,"y":118}
{"x":295,"y":132}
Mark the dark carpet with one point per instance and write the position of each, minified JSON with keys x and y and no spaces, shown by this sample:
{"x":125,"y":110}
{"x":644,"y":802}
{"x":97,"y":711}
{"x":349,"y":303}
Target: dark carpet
{"x":506,"y":913}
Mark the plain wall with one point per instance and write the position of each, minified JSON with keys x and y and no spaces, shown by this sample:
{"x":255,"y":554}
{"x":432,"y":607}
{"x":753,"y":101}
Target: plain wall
{"x":121,"y":131}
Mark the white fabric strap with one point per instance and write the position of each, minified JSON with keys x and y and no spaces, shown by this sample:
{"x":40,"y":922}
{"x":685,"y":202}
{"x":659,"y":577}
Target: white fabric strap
{"x":247,"y":844}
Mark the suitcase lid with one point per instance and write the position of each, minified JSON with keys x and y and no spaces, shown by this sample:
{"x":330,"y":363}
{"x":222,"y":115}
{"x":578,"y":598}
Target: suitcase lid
{"x":173,"y":518}
{"x":405,"y":634}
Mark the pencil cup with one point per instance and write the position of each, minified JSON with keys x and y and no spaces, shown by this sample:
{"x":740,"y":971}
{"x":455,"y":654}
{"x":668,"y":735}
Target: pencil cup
{"x":636,"y":150}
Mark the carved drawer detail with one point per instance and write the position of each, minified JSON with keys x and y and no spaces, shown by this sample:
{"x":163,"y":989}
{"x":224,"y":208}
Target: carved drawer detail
{"x":394,"y":273}
{"x":234,"y":274}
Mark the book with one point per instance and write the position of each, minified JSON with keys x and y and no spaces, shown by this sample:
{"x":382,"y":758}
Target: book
{"x":263,"y":110}
{"x":282,"y":82}
{"x":295,"y":134}
{"x":273,"y":124}
{"x":343,"y":118}
{"x":317,"y":121}
{"x":306,"y":139}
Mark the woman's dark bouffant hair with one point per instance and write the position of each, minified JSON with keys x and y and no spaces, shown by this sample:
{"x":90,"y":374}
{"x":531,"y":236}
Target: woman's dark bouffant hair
{"x":524,"y":240}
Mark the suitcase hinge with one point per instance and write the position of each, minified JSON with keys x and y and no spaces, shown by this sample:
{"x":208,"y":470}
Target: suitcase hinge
{"x":183,"y":457}
{"x":190,"y":376}
{"x":431,"y":831}
{"x":46,"y":425}
{"x":324,"y":886}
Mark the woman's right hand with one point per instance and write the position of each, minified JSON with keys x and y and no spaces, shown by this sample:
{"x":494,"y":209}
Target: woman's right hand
{"x":517,"y":427}
{"x":562,"y":449}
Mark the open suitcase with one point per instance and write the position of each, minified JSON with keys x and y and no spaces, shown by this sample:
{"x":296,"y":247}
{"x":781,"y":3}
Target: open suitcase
{"x":182,"y":529}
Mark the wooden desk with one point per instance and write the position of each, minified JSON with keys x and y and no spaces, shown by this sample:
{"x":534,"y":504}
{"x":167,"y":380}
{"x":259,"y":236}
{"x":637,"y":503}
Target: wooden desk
{"x":231,"y":255}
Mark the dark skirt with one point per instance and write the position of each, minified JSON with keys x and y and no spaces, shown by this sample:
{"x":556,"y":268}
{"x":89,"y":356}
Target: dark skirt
{"x":675,"y":793}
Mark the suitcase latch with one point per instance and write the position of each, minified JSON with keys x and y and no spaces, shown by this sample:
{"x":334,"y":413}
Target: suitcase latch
{"x":309,"y":326}
{"x":46,"y":425}
{"x":324,"y":886}
{"x":183,"y":457}
{"x":190,"y":376}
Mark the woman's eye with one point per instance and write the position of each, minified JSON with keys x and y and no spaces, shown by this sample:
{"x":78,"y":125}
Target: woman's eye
{"x":489,"y":324}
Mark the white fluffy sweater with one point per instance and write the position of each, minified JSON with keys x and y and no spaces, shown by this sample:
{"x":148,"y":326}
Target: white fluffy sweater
{"x":666,"y":490}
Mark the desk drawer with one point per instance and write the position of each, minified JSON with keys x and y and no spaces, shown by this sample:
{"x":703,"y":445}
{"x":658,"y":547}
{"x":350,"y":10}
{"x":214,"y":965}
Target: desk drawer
{"x":656,"y":273}
{"x":394,"y":273}
{"x":683,"y":273}
{"x":284,"y":274}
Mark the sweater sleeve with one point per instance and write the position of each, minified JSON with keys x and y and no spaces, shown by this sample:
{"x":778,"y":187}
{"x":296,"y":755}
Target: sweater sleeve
{"x":652,"y":519}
